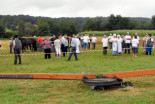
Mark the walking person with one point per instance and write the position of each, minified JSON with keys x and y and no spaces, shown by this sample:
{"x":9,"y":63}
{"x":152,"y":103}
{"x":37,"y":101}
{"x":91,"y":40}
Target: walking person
{"x":135,"y":44}
{"x":47,"y":48}
{"x":105,"y":44}
{"x":73,"y":50}
{"x":17,"y":47}
{"x":57,"y":44}
{"x":40,"y":41}
{"x":114,"y":45}
{"x":119,"y":43}
{"x":11,"y":44}
{"x":127,"y":43}
{"x":149,"y":44}
{"x":94,"y":41}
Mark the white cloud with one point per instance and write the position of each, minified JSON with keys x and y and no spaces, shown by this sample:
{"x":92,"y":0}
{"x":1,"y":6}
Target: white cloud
{"x":78,"y":8}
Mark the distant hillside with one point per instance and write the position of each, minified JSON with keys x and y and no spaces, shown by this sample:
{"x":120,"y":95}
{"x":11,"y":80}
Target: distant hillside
{"x":12,"y":21}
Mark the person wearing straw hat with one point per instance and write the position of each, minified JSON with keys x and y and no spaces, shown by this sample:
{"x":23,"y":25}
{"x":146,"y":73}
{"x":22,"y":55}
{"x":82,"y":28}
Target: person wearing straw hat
{"x":17,"y":47}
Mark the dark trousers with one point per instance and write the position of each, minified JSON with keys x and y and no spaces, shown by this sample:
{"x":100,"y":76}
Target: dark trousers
{"x":11,"y":46}
{"x":149,"y":52}
{"x":73,"y":51}
{"x":88,"y":45}
{"x":110,"y":45}
{"x":105,"y":50}
{"x":127,"y":48}
{"x":47,"y":53}
{"x":17,"y":55}
{"x":65,"y":51}
{"x":94,"y":45}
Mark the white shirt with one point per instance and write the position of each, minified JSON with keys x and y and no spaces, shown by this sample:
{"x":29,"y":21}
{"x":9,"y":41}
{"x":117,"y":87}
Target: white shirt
{"x":126,"y":37}
{"x":110,"y":38}
{"x":119,"y":40}
{"x":105,"y":42}
{"x":93,"y":39}
{"x":137,"y":38}
{"x":135,"y":43}
{"x":77,"y":41}
{"x":85,"y":39}
{"x":57,"y":43}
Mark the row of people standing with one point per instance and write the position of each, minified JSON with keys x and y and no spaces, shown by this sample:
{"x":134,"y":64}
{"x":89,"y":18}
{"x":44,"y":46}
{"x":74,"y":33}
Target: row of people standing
{"x":117,"y":44}
{"x":57,"y":45}
{"x":86,"y":41}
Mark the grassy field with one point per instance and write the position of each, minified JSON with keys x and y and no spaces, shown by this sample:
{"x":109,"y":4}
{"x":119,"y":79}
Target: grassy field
{"x":121,"y":32}
{"x":75,"y":92}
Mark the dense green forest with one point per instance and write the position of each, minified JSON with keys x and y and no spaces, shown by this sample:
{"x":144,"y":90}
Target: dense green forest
{"x":26,"y":25}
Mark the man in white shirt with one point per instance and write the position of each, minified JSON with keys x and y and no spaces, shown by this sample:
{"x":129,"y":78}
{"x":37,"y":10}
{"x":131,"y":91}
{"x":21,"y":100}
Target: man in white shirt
{"x":105,"y":44}
{"x":94,"y":41}
{"x":127,"y":43}
{"x":85,"y":41}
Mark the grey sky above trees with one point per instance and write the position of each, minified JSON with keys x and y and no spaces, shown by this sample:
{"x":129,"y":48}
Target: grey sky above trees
{"x":78,"y":8}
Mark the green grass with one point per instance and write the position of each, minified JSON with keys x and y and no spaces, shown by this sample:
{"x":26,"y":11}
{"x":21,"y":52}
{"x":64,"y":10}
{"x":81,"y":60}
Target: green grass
{"x":121,"y":32}
{"x":75,"y":92}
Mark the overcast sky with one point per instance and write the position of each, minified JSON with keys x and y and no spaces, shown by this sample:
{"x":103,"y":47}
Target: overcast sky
{"x":78,"y":8}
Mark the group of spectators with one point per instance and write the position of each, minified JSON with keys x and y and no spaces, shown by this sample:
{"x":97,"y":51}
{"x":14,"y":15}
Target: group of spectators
{"x":60,"y":44}
{"x":119,"y":43}
{"x":74,"y":44}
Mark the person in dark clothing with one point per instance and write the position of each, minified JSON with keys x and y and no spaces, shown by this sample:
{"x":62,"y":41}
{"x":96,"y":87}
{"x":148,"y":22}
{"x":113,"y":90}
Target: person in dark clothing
{"x":73,"y":50}
{"x":52,"y":42}
{"x":17,"y":47}
{"x":149,"y":44}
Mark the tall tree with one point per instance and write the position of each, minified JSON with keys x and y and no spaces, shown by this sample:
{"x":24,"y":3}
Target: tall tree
{"x":2,"y":29}
{"x":43,"y":27}
{"x":153,"y":21}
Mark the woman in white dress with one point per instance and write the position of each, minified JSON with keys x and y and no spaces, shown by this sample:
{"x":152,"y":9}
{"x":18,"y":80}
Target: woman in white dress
{"x":119,"y":43}
{"x":114,"y":45}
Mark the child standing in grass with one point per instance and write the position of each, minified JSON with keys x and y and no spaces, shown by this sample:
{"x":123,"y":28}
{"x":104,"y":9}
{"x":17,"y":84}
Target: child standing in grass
{"x":135,"y":43}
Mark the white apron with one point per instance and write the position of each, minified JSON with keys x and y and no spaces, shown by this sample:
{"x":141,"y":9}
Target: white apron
{"x":119,"y":43}
{"x":114,"y":44}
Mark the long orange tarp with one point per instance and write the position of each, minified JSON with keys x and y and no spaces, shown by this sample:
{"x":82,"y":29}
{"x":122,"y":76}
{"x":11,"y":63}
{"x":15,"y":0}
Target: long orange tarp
{"x":74,"y":76}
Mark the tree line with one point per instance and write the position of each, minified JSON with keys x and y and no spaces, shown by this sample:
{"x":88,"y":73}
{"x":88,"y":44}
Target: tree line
{"x":30,"y":26}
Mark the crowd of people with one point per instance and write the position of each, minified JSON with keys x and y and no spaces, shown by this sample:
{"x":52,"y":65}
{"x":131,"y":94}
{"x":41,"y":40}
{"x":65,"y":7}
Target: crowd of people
{"x":119,"y":43}
{"x":74,"y":44}
{"x":114,"y":42}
